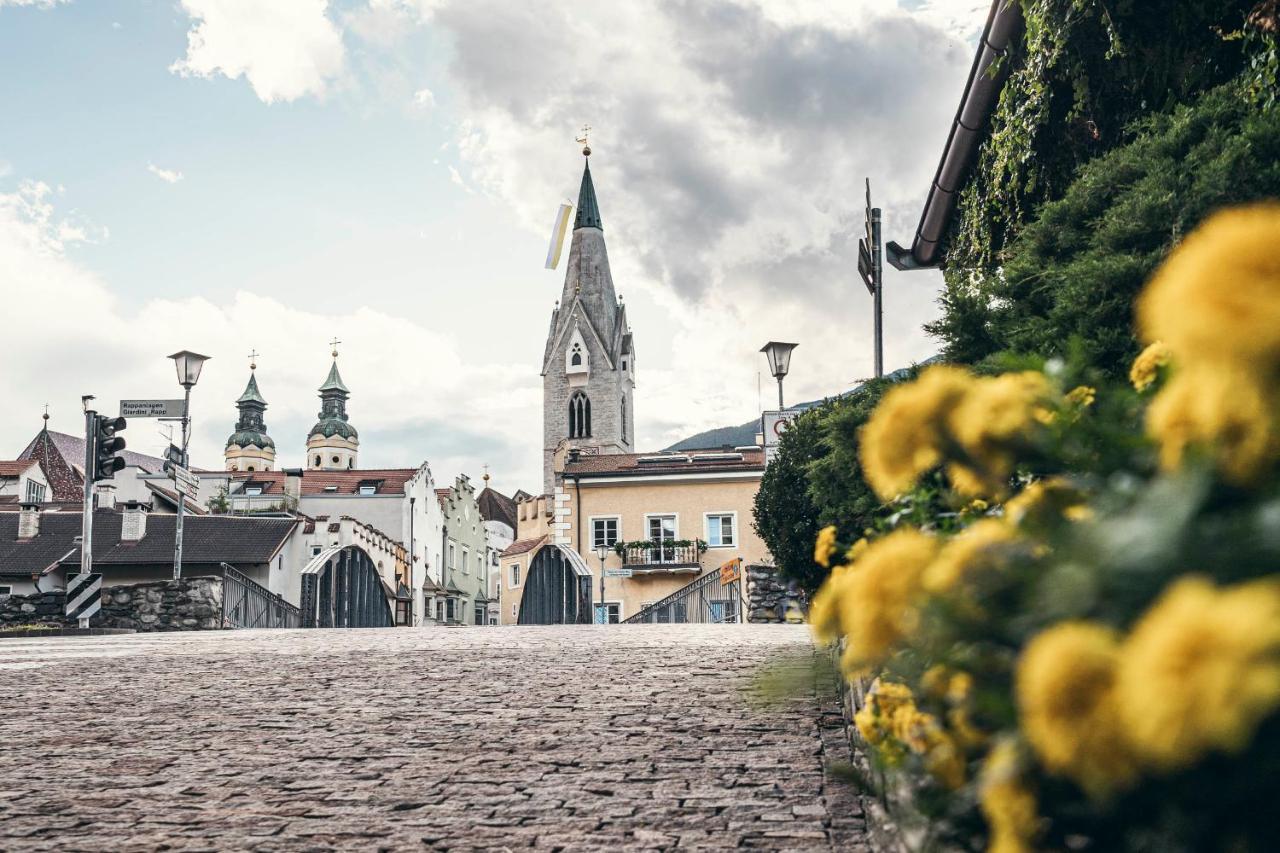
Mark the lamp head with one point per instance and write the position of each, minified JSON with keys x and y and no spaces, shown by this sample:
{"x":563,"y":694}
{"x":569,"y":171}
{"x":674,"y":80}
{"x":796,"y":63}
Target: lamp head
{"x":779,"y":356}
{"x":188,"y":365}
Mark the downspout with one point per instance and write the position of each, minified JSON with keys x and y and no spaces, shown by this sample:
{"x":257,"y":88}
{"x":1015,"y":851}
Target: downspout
{"x":413,"y":559}
{"x":981,"y":91}
{"x":577,"y":502}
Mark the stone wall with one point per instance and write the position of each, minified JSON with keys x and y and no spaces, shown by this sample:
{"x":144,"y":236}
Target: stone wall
{"x":772,"y":599}
{"x":190,"y":604}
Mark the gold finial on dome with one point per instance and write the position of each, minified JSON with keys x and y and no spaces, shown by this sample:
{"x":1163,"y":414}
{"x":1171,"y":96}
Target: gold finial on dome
{"x":586,"y":148}
{"x":253,"y":359}
{"x":334,"y":343}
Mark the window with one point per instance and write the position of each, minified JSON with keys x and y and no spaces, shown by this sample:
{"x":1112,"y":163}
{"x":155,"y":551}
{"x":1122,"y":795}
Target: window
{"x":662,"y":530}
{"x":317,"y":461}
{"x":439,"y":610}
{"x":336,"y":460}
{"x":466,"y":555}
{"x":479,"y":615}
{"x":35,"y":492}
{"x":315,"y":550}
{"x":448,"y":609}
{"x":604,"y":531}
{"x":5,"y":592}
{"x":480,"y":564}
{"x":613,"y":612}
{"x":721,"y":531}
{"x":453,"y":562}
{"x":250,"y":468}
{"x":515,"y":574}
{"x":253,"y":491}
{"x":622,"y":424}
{"x":723,"y":611}
{"x":579,"y":416}
{"x":576,"y":358}
{"x":368,"y":490}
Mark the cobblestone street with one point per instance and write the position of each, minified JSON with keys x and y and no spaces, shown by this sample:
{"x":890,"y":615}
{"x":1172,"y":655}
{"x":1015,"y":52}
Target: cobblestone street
{"x":580,"y":738}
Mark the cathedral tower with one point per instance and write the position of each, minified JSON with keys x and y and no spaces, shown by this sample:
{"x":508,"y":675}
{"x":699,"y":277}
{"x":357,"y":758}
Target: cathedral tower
{"x":332,"y":442}
{"x":250,"y":448}
{"x":588,"y":368}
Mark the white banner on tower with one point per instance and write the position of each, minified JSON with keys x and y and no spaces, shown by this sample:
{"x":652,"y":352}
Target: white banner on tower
{"x":557,"y":235}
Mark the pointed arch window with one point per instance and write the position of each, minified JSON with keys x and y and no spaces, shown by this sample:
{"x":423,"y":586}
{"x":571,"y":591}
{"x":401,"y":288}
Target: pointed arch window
{"x":579,"y":416}
{"x":623,"y":421}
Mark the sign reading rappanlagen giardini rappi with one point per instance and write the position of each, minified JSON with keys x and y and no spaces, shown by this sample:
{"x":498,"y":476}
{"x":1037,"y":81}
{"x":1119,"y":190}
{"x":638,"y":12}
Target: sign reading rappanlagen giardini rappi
{"x":150,"y":408}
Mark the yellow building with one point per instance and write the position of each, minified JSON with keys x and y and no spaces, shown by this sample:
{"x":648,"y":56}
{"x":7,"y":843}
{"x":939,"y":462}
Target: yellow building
{"x":662,"y":520}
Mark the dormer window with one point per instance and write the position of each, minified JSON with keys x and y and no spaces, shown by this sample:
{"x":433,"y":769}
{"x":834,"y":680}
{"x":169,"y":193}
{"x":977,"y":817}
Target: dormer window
{"x":253,"y":491}
{"x":577,"y":359}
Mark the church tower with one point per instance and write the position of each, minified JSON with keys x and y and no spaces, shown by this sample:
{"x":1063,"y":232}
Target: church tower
{"x":588,"y":368}
{"x":332,"y":442}
{"x":250,"y":448}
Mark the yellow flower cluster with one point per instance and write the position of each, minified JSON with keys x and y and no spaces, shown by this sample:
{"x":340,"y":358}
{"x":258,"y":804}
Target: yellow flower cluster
{"x":1046,"y":501}
{"x":1199,"y":672}
{"x":1215,"y":303}
{"x":975,"y":547}
{"x":1007,"y":803}
{"x":1146,"y":367}
{"x":872,"y":601}
{"x":891,"y":722}
{"x":972,"y":423}
{"x":1082,"y":396}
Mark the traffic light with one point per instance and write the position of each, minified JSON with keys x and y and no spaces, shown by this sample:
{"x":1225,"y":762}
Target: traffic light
{"x":174,"y":458}
{"x":106,"y":445}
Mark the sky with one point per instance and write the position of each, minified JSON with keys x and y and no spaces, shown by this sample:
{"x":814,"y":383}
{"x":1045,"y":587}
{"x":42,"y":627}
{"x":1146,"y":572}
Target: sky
{"x":230,"y":176}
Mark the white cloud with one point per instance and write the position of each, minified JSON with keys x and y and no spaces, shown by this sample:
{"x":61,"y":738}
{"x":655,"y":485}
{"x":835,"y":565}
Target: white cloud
{"x":424,"y":98}
{"x":87,"y":340}
{"x":39,"y":4}
{"x":286,"y":49}
{"x":169,"y":176}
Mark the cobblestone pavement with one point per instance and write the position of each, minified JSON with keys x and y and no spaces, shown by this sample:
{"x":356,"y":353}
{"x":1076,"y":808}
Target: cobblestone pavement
{"x":571,"y":738}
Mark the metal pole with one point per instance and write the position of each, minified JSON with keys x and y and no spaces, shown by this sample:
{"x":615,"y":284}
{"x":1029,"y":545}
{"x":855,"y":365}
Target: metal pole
{"x":182,"y":500}
{"x":86,"y":523}
{"x":604,"y":615}
{"x":781,"y":407}
{"x":877,"y":270}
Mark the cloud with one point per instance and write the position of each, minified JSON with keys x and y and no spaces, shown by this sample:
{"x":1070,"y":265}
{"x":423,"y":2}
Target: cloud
{"x":405,"y":414}
{"x":169,"y":176}
{"x":39,"y":4}
{"x":424,"y":98}
{"x":286,"y":49}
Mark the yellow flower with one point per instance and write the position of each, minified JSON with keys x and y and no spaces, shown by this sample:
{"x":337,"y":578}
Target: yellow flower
{"x":824,"y":611}
{"x":1044,"y":500}
{"x":975,"y":546}
{"x":1219,"y":410}
{"x":977,"y":505}
{"x":1217,"y":296}
{"x":825,"y":546}
{"x":877,"y":595}
{"x":1007,"y":803}
{"x":885,"y":700}
{"x":856,"y":549}
{"x":995,"y":415}
{"x":1067,"y":705}
{"x":903,"y":438}
{"x":1082,"y":396}
{"x":1200,"y":670}
{"x":1146,"y":367}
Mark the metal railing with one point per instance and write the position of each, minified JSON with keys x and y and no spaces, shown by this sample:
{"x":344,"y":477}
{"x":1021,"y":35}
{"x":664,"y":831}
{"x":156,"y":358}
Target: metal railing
{"x":705,"y":600}
{"x":248,"y":604}
{"x":661,"y":554}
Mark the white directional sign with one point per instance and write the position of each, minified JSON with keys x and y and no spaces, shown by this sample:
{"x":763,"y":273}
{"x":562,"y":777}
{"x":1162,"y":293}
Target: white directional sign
{"x":185,"y":481}
{"x":150,"y":408}
{"x":617,"y":573}
{"x":773,"y":425}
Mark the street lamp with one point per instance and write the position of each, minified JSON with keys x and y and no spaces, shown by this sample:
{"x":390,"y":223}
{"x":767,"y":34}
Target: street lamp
{"x":602,"y":551}
{"x":779,"y":356}
{"x":188,"y":365}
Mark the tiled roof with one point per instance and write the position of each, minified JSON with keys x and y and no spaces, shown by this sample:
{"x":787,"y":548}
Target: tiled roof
{"x":389,"y":481}
{"x":522,"y":546}
{"x":71,"y":447}
{"x":693,"y":461}
{"x":172,"y":497}
{"x":15,"y":468}
{"x":64,"y":479}
{"x":495,"y":506}
{"x":442,"y":495}
{"x":32,"y":556}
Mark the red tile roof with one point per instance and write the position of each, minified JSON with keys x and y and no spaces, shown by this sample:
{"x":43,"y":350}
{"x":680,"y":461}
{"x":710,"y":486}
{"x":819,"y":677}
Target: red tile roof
{"x":389,"y":481}
{"x":523,"y":546}
{"x":684,"y":462}
{"x":16,"y":468}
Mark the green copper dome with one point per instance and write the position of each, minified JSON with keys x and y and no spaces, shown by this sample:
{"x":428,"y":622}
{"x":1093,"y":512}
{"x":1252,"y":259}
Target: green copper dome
{"x":329,"y":427}
{"x":251,"y":429}
{"x":333,"y":409}
{"x":251,"y":438}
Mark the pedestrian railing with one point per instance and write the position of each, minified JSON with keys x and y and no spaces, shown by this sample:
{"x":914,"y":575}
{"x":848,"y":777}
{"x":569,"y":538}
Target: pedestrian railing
{"x":706,"y":600}
{"x":248,"y":604}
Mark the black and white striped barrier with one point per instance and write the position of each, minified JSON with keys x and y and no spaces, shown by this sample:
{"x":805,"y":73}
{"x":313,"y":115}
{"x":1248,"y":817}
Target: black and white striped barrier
{"x":84,"y":596}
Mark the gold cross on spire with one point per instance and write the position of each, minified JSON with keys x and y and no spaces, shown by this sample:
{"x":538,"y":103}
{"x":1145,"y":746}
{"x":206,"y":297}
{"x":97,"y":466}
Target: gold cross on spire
{"x":253,"y":358}
{"x":586,"y":131}
{"x":334,"y":343}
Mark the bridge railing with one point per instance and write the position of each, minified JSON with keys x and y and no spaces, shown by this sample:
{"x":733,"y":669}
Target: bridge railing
{"x":706,"y":600}
{"x":248,"y":604}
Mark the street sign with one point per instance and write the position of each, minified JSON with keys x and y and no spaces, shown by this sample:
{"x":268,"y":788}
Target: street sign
{"x":84,"y":596}
{"x":150,"y":408}
{"x":184,"y":481}
{"x":864,"y":266}
{"x":773,"y":425}
{"x":617,"y":573}
{"x":730,"y":571}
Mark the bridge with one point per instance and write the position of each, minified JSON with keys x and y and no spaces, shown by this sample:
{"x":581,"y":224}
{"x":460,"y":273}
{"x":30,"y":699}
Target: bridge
{"x":577,"y":737}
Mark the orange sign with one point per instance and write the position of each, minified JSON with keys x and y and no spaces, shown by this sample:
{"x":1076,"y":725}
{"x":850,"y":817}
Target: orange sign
{"x":731,"y":571}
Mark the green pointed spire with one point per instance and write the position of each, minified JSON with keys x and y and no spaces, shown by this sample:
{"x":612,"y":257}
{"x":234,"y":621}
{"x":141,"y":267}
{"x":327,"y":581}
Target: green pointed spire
{"x":588,"y":208}
{"x":251,"y":393}
{"x":334,"y":382}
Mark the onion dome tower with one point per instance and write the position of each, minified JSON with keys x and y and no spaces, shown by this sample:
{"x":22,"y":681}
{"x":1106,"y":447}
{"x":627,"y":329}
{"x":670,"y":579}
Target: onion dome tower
{"x":333,"y":442}
{"x":250,"y":448}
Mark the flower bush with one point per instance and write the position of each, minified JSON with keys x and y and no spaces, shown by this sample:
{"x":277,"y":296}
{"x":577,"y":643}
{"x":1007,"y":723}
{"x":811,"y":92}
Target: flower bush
{"x":1068,"y":613}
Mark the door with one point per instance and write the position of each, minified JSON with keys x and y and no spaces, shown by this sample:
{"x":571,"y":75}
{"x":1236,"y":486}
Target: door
{"x":662,"y":532}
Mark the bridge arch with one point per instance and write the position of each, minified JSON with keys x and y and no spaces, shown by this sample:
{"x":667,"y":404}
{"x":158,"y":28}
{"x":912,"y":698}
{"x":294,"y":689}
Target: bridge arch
{"x":557,"y":589}
{"x":341,"y":588}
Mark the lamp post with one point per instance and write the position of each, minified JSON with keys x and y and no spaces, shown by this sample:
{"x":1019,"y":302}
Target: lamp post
{"x":602,"y":551}
{"x":188,"y":365}
{"x":779,"y":356}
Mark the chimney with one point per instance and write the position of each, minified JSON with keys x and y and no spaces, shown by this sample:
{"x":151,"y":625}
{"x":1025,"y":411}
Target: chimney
{"x":133,"y":526}
{"x":29,"y":521}
{"x":106,"y":495}
{"x":293,"y":485}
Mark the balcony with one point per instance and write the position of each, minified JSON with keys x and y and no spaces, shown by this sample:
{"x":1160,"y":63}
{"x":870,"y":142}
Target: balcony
{"x":678,"y":557}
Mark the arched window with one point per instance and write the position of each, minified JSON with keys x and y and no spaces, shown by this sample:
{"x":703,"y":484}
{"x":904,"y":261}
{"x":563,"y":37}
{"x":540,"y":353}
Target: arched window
{"x":575,"y":358}
{"x":579,"y":416}
{"x":623,"y":421}
{"x":317,"y":460}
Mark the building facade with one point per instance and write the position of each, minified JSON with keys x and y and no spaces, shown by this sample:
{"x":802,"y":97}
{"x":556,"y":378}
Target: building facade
{"x":588,"y":366}
{"x":465,"y":557}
